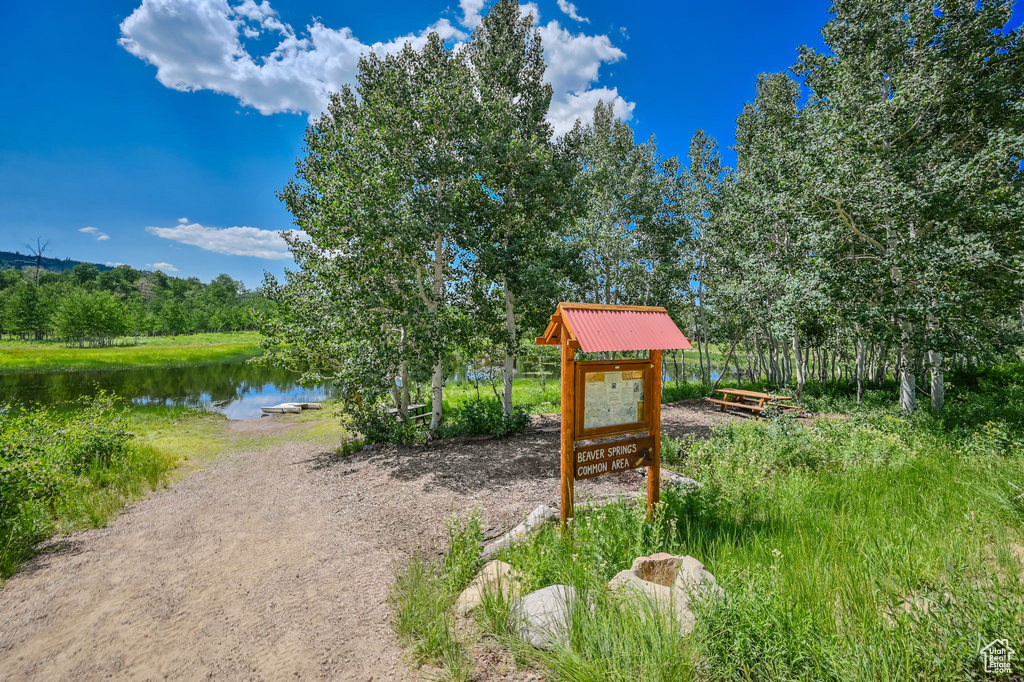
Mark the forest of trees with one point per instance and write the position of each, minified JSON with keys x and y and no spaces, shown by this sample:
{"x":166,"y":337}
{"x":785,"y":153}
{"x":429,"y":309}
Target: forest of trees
{"x":85,"y":306}
{"x":872,"y":231}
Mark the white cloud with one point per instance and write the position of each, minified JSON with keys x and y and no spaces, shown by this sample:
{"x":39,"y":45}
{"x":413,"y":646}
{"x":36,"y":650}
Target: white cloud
{"x":563,"y":114}
{"x":234,"y":241}
{"x":570,"y":10}
{"x":100,"y":236}
{"x":197,"y":45}
{"x":201,"y":45}
{"x":113,"y":264}
{"x":574,"y":62}
{"x":471,"y":12}
{"x":166,"y":267}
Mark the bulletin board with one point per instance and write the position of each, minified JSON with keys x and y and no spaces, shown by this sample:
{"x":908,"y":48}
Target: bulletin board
{"x":611,"y":397}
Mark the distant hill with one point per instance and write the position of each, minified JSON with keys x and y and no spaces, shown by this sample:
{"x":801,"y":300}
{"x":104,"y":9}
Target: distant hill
{"x":15,"y":260}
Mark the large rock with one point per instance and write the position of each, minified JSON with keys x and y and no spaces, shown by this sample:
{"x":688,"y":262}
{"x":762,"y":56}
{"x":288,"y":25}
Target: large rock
{"x":495,"y":576}
{"x":668,"y":582}
{"x":542,"y":618}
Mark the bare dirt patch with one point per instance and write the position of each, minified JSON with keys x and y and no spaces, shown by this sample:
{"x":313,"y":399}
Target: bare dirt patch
{"x":274,"y":563}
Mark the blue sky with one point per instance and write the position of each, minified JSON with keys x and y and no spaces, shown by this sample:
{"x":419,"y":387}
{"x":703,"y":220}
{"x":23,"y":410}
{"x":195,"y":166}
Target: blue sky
{"x":147,"y":122}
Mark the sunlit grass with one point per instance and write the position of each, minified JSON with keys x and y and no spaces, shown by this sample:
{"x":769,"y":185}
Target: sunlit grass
{"x":164,"y":351}
{"x":189,"y":437}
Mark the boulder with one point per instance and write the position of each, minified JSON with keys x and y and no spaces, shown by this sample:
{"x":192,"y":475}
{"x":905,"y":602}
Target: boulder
{"x":494,"y":576}
{"x":667,"y":582}
{"x":542,"y":618}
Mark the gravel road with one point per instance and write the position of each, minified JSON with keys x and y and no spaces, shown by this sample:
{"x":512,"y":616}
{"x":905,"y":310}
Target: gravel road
{"x":271,"y":564}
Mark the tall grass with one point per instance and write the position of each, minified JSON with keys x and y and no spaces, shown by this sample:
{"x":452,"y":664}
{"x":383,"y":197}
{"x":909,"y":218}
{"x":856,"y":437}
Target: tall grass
{"x":422,"y":599}
{"x":852,"y":551}
{"x":65,"y":470}
{"x":877,"y":546}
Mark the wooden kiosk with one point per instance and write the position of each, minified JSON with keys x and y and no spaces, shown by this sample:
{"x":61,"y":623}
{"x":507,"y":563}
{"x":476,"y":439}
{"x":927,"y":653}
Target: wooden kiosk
{"x":604,"y":399}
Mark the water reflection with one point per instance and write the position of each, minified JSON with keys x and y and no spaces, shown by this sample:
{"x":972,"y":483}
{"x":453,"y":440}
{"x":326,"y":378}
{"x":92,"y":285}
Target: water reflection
{"x":237,"y":390}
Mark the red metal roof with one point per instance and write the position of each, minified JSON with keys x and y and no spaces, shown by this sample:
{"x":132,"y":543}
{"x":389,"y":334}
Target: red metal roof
{"x":606,"y":330}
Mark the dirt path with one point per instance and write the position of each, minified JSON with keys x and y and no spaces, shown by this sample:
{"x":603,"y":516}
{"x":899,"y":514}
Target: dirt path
{"x":270,"y":564}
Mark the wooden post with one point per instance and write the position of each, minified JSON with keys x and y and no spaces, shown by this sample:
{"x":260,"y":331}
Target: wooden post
{"x":568,"y":425}
{"x":654,"y":471}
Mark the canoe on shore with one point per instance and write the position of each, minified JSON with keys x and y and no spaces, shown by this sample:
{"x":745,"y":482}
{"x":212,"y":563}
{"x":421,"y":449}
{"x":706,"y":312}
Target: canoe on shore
{"x":284,"y":408}
{"x":291,"y":408}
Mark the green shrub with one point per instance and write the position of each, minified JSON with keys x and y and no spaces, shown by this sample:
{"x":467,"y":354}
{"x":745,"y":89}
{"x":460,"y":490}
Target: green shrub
{"x":672,"y":391}
{"x":472,"y":417}
{"x":672,"y":450}
{"x":373,"y":422}
{"x":65,"y":469}
{"x":482,"y":415}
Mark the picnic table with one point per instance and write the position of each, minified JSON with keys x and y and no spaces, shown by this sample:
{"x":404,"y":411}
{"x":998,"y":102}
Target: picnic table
{"x":416,"y":411}
{"x":755,"y":401}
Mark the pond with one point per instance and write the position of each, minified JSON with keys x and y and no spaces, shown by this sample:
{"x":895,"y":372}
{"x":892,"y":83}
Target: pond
{"x":237,"y":390}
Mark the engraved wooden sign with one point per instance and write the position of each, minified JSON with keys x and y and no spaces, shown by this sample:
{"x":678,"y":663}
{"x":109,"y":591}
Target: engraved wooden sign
{"x":612,"y":458}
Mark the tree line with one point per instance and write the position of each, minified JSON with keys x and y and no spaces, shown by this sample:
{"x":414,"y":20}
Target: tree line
{"x":871,"y":229}
{"x":85,"y":306}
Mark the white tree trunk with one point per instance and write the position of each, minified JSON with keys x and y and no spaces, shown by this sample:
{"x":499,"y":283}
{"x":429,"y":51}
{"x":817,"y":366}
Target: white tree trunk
{"x":761,"y":364}
{"x":908,"y":388}
{"x":509,"y":370}
{"x":860,"y":368}
{"x":437,"y":380}
{"x":908,"y":380}
{"x":405,"y":389}
{"x":436,"y":393}
{"x":938,"y":381}
{"x":705,"y":359}
{"x":801,"y":377}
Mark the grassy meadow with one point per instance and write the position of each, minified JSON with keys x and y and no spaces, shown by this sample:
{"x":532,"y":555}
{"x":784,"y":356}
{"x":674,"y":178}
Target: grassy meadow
{"x":156,"y":351}
{"x":874,"y":546}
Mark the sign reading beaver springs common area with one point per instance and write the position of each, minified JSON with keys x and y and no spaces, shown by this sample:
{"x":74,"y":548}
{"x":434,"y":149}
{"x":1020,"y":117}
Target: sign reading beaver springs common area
{"x":611,"y":409}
